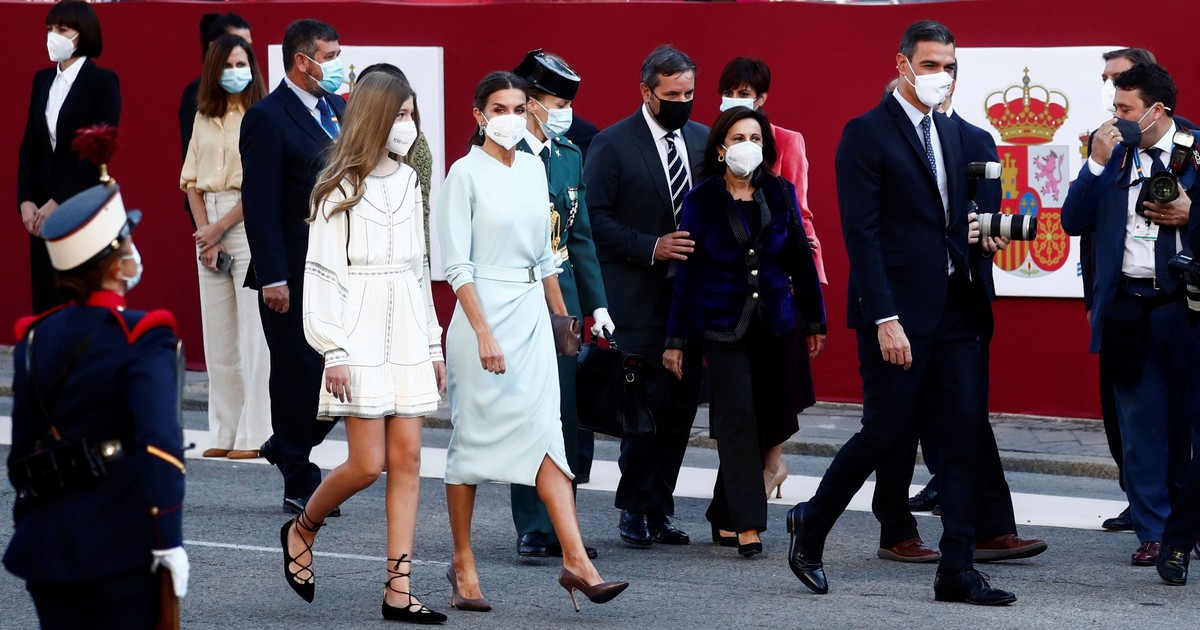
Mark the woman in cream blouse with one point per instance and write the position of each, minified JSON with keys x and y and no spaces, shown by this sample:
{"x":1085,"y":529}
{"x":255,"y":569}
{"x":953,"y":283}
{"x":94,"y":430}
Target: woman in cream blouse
{"x":235,"y":350}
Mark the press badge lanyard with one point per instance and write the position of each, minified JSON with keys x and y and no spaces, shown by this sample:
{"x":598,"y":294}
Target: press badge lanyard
{"x":1143,"y":227}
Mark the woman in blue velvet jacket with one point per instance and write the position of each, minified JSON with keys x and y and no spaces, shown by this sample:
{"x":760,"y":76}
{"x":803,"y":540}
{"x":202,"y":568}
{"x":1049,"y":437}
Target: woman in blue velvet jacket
{"x":749,"y":281}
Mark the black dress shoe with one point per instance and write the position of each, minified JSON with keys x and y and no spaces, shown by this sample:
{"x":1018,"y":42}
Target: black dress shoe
{"x":296,"y":506}
{"x":1119,"y":523}
{"x":634,"y":530}
{"x":1173,"y":564}
{"x":804,"y":554}
{"x":555,"y":550}
{"x":969,"y":586}
{"x":663,"y":531}
{"x":924,"y":501}
{"x":267,"y":451}
{"x":534,"y":545}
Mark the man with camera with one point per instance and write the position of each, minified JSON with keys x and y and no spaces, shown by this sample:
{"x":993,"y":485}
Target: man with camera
{"x":1135,"y":194}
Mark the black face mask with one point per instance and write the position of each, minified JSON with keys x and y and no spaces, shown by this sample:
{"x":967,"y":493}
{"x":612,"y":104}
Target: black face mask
{"x":1131,"y":133}
{"x":673,"y":115}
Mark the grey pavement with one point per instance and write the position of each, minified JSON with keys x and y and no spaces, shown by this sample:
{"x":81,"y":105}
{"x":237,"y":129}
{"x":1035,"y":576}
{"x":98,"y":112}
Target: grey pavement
{"x":1038,"y":444}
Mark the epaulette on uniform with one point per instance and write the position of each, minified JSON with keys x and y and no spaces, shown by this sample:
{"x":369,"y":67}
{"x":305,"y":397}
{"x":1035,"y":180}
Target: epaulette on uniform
{"x":138,"y":323}
{"x":21,"y":328}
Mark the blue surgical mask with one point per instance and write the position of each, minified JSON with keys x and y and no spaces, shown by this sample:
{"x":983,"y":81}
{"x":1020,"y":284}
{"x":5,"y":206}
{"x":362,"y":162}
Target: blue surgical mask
{"x":557,"y":122}
{"x":234,"y":80}
{"x":333,"y":73}
{"x":136,"y":257}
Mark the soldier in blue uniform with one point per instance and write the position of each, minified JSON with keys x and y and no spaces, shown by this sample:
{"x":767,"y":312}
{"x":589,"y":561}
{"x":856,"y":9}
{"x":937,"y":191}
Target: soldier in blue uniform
{"x":97,"y":448}
{"x":552,"y":87}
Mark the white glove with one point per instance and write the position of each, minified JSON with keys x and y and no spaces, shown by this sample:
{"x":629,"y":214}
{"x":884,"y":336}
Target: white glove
{"x":558,"y":262}
{"x":176,"y":562}
{"x":602,"y":322}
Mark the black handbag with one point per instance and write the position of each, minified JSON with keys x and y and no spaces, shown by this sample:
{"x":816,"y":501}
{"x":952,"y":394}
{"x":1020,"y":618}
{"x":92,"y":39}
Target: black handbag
{"x":610,"y":391}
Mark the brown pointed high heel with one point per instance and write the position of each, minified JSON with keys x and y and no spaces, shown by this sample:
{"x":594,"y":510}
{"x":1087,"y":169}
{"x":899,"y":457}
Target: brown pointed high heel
{"x":598,"y":593}
{"x":477,"y":604}
{"x":302,"y":580}
{"x":775,"y":483}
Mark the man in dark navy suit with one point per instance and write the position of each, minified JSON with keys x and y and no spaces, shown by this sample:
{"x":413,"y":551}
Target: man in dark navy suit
{"x":902,"y":193}
{"x":283,"y":139}
{"x":995,"y":523}
{"x":636,"y":173}
{"x":1139,"y":319}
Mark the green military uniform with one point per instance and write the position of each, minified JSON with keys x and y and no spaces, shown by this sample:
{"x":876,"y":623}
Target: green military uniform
{"x":583,"y":292}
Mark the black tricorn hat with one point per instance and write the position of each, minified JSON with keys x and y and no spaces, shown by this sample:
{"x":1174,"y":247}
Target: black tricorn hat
{"x":549,"y":74}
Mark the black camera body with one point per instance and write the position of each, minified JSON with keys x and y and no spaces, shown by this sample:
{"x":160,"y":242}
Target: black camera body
{"x":1163,"y":187}
{"x":1017,"y":227}
{"x":1187,"y":271}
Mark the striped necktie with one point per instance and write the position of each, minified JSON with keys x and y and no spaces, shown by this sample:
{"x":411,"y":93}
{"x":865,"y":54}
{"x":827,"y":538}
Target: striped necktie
{"x":677,"y":177}
{"x":925,"y":123}
{"x":1164,"y":245}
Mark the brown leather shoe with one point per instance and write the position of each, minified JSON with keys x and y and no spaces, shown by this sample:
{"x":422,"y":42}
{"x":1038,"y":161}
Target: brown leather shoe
{"x":911,"y":550}
{"x":215,"y":452}
{"x":1146,"y":554}
{"x":1008,"y":547}
{"x":243,"y":454}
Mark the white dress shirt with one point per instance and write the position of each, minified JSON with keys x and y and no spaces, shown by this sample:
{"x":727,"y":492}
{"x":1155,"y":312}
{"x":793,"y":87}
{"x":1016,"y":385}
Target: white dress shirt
{"x":535,"y":145}
{"x":59,"y":89}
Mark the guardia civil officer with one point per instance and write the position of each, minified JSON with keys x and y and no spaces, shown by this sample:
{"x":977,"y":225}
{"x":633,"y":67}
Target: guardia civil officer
{"x":552,"y":88}
{"x":97,"y":454}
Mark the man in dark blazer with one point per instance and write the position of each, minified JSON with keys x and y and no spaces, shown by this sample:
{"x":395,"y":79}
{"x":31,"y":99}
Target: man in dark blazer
{"x":1139,"y":319}
{"x":995,"y":523}
{"x":48,"y":171}
{"x":1182,"y":531}
{"x":283,"y":139}
{"x":636,"y":173}
{"x":902,"y":194}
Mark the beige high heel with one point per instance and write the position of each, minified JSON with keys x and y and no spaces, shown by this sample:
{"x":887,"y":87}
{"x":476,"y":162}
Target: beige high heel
{"x":775,"y":483}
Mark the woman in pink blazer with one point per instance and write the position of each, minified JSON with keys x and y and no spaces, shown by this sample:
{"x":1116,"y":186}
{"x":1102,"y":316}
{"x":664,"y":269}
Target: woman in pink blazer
{"x":745,"y":82}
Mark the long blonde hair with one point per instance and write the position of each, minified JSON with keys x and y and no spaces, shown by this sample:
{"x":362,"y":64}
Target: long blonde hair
{"x":366,"y":124}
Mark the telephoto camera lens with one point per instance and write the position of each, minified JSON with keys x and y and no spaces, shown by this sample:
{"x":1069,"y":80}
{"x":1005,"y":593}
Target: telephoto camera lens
{"x":1017,"y":227}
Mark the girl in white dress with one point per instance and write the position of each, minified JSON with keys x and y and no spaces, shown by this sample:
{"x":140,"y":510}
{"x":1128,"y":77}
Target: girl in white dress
{"x":494,"y":229}
{"x":369,"y":311}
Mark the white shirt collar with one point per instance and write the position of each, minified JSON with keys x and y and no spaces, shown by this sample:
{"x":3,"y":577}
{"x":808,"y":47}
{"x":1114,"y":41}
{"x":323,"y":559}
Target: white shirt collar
{"x":914,"y":114}
{"x":535,"y":145}
{"x":1166,"y":142}
{"x":309,"y":100}
{"x":72,"y":72}
{"x":656,"y":129}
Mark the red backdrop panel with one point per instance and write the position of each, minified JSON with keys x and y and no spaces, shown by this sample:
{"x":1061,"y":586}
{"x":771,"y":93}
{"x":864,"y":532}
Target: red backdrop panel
{"x":828,"y":61}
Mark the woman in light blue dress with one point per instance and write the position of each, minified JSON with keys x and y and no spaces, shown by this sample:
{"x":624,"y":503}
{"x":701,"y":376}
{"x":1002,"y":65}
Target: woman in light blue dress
{"x":494,"y":229}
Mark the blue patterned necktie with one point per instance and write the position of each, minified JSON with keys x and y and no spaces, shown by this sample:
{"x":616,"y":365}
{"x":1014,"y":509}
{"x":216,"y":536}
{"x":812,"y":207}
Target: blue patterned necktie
{"x":328,"y":122}
{"x":1164,"y":245}
{"x":925,"y":123}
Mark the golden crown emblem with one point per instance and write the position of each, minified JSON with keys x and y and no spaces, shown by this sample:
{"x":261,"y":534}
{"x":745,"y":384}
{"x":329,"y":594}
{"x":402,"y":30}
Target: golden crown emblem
{"x":1025,"y":114}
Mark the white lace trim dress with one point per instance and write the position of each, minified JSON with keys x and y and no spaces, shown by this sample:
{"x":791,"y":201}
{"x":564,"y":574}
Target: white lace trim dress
{"x":367,"y":300}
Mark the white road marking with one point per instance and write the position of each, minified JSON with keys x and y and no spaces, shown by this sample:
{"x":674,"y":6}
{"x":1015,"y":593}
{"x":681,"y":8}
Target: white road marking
{"x":1030,"y":509}
{"x":325,"y":554}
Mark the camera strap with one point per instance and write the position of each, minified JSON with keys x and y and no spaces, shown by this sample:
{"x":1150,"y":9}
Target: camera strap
{"x":47,"y":412}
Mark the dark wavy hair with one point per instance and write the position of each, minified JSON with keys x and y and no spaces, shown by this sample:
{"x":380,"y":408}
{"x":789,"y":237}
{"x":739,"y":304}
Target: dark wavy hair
{"x":77,"y":284}
{"x":212,"y":100}
{"x":720,"y":129}
{"x":492,"y":83}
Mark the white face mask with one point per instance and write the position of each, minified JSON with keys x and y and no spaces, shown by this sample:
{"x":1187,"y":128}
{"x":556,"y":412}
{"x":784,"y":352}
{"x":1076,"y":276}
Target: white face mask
{"x":136,"y":257}
{"x":1108,"y":94}
{"x":743,"y":157}
{"x":557,"y":122}
{"x":728,"y":102}
{"x":60,"y":47}
{"x":506,"y":130}
{"x":402,"y":137}
{"x":931,"y":88}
